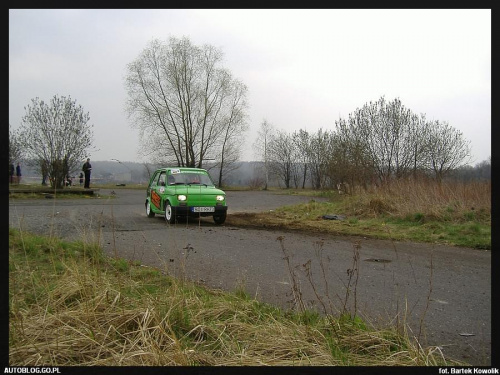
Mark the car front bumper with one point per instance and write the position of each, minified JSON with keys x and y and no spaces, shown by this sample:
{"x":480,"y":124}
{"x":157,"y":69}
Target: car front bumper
{"x":188,"y":211}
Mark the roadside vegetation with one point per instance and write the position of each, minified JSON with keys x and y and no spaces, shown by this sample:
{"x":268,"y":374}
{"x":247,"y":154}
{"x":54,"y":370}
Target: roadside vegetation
{"x":452,"y":213}
{"x":69,"y":305}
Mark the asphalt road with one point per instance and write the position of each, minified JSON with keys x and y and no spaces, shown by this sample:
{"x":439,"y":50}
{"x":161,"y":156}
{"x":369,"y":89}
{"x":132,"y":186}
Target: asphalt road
{"x":442,"y":293}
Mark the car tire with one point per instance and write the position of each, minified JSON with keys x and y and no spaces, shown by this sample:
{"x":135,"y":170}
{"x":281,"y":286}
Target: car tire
{"x":149,"y":211}
{"x":169,"y":213}
{"x":220,"y":218}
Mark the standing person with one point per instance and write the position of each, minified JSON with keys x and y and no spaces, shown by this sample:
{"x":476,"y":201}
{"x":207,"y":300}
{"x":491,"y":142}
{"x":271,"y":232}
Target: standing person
{"x":11,"y":173}
{"x":81,"y":178}
{"x":44,"y":173}
{"x":18,"y":173}
{"x":87,"y":167}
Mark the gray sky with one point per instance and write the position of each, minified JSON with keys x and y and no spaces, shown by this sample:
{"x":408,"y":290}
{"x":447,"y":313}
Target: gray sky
{"x":304,"y":68}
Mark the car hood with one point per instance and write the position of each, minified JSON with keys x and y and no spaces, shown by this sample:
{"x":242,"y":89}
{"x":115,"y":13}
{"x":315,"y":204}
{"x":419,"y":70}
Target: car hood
{"x":197,"y":189}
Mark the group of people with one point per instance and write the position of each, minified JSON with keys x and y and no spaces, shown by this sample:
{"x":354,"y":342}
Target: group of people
{"x":85,"y":174}
{"x":15,"y":175}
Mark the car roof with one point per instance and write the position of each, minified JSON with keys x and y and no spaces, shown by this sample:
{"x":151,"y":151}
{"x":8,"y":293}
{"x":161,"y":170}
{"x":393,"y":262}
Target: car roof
{"x":184,"y":169}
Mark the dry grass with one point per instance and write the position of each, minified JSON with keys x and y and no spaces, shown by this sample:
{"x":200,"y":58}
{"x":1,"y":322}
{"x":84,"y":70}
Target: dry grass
{"x":70,"y":306}
{"x":403,"y":198}
{"x":452,"y":213}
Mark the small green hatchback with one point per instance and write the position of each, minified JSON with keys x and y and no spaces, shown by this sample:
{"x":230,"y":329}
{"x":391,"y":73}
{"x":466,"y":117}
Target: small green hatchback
{"x":184,"y":192}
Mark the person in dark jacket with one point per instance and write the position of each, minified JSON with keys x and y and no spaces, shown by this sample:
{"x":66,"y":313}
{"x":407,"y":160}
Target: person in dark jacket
{"x":45,"y":172}
{"x":87,"y":168}
{"x":18,"y":173}
{"x":11,"y":173}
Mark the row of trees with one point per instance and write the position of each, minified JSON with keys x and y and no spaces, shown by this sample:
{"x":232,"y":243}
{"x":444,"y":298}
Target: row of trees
{"x":190,"y":110}
{"x":378,"y":142}
{"x":480,"y":172}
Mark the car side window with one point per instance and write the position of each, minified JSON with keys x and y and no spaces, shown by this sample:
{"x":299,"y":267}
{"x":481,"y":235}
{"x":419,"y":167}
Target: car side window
{"x":171,"y":179}
{"x":153,"y":180}
{"x":161,"y":179}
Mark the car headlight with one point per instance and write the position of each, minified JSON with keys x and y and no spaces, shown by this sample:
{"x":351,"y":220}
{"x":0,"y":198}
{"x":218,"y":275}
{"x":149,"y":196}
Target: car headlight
{"x":220,"y":198}
{"x":181,"y":198}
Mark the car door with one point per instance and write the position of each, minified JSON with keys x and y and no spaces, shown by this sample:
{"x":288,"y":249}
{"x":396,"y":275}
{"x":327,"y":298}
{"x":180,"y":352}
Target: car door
{"x":156,"y":189}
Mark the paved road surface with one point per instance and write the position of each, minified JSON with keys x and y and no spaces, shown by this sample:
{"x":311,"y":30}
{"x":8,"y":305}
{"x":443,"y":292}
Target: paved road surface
{"x":443,"y":293}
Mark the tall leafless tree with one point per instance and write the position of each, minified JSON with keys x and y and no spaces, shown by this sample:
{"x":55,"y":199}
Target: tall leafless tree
{"x":261,"y":147}
{"x":301,"y":170}
{"x":281,"y":150}
{"x":183,"y":100}
{"x":234,"y":126}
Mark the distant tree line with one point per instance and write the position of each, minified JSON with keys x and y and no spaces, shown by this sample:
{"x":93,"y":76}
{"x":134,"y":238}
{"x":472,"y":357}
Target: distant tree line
{"x":376,"y":144}
{"x":480,"y":172}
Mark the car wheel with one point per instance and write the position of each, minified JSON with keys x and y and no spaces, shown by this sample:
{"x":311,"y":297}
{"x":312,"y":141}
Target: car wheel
{"x":169,"y":213}
{"x":220,"y":219}
{"x":149,"y":211}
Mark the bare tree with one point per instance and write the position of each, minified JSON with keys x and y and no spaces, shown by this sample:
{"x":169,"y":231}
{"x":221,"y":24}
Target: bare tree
{"x":301,"y":144}
{"x":56,"y":136}
{"x":261,"y":147}
{"x":15,"y":147}
{"x":382,"y":135}
{"x":447,"y":149}
{"x":234,"y":128}
{"x":281,"y":152}
{"x":350,"y":162}
{"x":419,"y":133}
{"x":181,"y":99}
{"x":319,"y":153}
{"x":394,"y":137}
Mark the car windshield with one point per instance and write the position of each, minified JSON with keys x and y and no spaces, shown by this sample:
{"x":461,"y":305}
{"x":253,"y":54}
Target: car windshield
{"x":189,"y":179}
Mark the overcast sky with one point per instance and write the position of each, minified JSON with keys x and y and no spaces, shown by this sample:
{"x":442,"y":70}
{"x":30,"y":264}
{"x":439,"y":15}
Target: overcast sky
{"x":304,"y":69}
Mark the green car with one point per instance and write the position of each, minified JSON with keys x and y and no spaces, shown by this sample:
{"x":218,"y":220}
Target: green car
{"x":182,"y":192}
